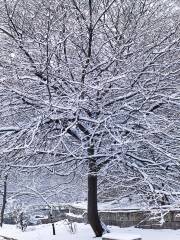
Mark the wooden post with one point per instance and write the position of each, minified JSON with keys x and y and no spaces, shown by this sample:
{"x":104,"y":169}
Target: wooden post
{"x":51,"y":219}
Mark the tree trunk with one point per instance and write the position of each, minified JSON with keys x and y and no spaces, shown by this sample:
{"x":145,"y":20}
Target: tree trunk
{"x":4,"y":201}
{"x":93,"y":217}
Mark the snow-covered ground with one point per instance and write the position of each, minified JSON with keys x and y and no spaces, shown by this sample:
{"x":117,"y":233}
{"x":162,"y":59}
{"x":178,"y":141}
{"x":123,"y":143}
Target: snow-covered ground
{"x":44,"y":232}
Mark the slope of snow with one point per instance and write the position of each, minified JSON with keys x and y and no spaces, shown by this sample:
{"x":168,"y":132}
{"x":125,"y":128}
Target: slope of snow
{"x":124,"y":204}
{"x":74,"y":215}
{"x":84,"y":232}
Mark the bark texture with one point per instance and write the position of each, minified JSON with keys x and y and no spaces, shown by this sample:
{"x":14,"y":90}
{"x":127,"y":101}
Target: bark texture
{"x":93,"y":217}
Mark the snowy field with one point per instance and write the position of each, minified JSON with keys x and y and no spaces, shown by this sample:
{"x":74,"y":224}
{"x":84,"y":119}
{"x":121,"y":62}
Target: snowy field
{"x":84,"y":232}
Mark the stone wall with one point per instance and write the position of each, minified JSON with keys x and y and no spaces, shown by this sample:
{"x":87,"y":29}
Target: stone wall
{"x":137,"y":218}
{"x":121,"y":218}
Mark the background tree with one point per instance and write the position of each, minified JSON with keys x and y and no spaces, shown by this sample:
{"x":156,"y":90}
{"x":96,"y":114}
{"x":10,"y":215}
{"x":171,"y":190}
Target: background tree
{"x":4,"y":200}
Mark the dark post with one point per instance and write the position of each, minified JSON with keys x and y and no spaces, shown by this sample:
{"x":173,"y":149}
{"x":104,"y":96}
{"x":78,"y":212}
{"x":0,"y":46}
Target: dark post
{"x":51,"y":219}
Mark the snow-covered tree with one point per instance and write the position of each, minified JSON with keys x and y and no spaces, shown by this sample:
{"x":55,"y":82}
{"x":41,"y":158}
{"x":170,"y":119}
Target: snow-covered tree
{"x":91,"y":87}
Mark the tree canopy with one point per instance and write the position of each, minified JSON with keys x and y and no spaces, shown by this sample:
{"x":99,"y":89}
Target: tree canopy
{"x":92,"y":87}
